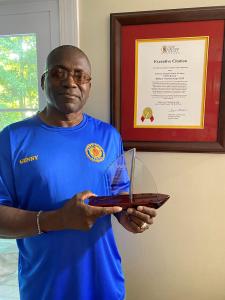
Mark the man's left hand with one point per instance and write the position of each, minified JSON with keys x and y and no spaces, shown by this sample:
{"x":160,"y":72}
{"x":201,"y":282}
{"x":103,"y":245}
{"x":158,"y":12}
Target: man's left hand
{"x":137,"y":220}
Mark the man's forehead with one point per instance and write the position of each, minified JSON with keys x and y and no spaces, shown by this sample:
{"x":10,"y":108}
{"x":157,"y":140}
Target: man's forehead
{"x":70,"y":59}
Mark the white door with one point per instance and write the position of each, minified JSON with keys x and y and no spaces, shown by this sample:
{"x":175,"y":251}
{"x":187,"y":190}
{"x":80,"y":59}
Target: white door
{"x":40,"y":18}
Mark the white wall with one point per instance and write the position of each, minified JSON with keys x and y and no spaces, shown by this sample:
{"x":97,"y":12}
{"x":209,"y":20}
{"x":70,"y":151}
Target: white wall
{"x":182,"y":256}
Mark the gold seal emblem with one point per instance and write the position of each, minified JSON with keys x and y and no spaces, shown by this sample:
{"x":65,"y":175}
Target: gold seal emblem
{"x":95,"y":152}
{"x":147,"y":114}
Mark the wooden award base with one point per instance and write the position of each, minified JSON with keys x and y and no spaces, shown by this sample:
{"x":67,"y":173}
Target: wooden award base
{"x":153,"y":200}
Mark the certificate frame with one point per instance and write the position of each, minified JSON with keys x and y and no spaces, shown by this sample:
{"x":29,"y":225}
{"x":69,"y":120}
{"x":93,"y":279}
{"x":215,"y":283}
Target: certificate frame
{"x":122,"y":116}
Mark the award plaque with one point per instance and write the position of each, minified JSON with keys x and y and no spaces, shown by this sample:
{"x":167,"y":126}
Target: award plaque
{"x":130,"y":184}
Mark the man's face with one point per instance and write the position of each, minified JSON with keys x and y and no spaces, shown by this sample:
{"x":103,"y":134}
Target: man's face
{"x":63,"y":93}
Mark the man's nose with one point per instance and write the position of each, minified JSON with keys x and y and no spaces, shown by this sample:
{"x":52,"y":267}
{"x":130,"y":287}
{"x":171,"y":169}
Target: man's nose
{"x":69,"y":81}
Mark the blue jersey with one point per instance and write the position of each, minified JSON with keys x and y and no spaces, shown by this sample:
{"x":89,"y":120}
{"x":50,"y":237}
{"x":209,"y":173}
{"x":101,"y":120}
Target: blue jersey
{"x":41,"y":167}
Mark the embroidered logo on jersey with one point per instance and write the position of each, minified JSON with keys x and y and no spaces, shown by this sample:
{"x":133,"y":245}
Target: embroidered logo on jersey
{"x":28,"y":159}
{"x":95,"y":152}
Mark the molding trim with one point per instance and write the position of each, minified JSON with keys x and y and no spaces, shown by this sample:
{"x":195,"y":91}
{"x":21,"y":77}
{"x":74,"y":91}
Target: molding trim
{"x":69,"y":22}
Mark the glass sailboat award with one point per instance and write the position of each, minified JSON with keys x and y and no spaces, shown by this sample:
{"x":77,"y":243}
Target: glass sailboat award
{"x":130,"y":184}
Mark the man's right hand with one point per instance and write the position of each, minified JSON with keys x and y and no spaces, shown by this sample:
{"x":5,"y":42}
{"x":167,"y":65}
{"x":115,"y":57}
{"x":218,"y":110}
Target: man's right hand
{"x":75,"y":214}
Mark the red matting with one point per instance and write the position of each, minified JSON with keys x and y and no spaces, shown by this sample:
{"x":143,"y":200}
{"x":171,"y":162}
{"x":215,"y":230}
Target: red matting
{"x":215,"y":30}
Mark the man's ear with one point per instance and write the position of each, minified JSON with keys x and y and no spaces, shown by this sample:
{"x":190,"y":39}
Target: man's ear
{"x":43,"y":82}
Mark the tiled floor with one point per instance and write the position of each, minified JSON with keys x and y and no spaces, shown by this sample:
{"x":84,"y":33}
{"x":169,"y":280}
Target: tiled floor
{"x":8,"y":270}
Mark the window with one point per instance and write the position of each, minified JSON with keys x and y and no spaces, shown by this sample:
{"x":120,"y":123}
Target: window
{"x":28,"y":31}
{"x":18,"y":78}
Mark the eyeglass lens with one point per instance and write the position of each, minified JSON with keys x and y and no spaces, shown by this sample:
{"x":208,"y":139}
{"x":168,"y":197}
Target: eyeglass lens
{"x":62,"y":74}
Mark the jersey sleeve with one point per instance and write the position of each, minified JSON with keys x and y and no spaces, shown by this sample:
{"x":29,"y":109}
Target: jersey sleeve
{"x":7,"y":188}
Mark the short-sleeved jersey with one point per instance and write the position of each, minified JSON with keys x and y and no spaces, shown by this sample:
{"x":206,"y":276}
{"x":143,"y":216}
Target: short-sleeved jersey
{"x":41,"y":167}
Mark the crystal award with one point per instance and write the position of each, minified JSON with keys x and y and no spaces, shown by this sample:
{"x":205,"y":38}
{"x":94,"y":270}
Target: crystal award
{"x":129,"y":184}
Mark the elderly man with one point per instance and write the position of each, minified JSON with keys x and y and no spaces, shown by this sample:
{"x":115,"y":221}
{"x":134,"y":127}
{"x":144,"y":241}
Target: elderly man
{"x":50,"y":164}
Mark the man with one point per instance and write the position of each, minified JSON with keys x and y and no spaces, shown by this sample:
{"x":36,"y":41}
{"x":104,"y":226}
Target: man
{"x":66,"y":247}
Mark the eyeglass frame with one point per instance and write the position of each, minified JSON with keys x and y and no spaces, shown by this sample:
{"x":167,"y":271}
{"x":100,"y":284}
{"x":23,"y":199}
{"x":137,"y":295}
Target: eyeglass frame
{"x":67,"y":72}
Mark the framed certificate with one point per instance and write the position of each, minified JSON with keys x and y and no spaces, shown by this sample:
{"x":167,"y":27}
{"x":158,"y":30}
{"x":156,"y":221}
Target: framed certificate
{"x":167,"y":79}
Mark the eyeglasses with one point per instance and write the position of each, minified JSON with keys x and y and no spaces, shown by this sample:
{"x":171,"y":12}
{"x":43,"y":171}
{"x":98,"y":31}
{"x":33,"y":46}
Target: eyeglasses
{"x":60,"y":74}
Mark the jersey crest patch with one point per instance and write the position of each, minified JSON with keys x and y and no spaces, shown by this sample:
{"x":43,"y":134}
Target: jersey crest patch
{"x":95,"y":152}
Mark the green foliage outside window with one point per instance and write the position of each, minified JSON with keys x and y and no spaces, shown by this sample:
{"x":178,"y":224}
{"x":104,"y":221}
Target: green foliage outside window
{"x":18,"y":78}
{"x":7,"y":118}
